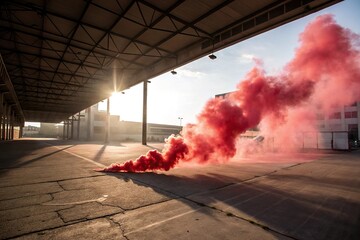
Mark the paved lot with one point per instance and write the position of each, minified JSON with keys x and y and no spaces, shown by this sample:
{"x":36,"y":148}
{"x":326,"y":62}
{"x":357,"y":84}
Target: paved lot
{"x":49,"y":190}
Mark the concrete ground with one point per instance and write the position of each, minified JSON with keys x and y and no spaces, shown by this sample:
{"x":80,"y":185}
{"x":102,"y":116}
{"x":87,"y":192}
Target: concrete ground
{"x":49,"y":190}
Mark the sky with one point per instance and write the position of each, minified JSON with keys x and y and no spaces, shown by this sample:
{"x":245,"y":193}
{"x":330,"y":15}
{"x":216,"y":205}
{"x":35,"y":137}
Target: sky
{"x":171,"y":97}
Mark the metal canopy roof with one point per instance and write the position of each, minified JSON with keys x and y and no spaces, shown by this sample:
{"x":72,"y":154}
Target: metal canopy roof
{"x":63,"y":56}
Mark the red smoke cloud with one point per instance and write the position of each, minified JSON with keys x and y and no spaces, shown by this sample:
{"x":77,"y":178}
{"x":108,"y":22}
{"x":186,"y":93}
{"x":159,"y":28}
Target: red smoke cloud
{"x":324,"y":73}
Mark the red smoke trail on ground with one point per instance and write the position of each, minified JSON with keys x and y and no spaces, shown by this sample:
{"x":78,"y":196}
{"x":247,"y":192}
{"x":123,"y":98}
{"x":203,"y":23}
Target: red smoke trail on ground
{"x":324,"y":73}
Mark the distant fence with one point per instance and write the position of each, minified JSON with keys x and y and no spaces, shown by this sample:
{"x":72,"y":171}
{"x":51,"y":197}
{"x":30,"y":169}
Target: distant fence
{"x":338,"y":140}
{"x":335,"y":140}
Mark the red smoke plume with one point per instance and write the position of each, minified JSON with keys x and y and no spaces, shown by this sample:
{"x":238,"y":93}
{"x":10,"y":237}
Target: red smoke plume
{"x":324,"y":73}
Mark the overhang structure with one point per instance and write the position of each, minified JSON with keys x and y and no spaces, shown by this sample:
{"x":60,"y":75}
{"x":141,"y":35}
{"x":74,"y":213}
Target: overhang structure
{"x":64,"y":56}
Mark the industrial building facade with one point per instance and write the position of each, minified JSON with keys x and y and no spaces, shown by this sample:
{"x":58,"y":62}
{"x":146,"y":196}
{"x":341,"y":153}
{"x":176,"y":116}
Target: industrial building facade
{"x":343,"y":119}
{"x":346,"y":118}
{"x":91,"y":124}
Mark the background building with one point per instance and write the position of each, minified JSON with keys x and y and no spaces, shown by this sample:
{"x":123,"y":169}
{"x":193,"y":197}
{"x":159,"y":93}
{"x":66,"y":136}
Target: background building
{"x":92,"y":126}
{"x":31,"y":131}
{"x":346,"y":118}
{"x":339,"y":130}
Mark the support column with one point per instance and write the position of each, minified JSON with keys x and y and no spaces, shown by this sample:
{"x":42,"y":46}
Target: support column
{"x":89,"y":124}
{"x":1,"y":114}
{"x":22,"y":127}
{"x":21,"y":130}
{"x":72,"y":127}
{"x":67,"y":129}
{"x":144,"y":121}
{"x":3,"y":131}
{"x":78,"y":127}
{"x":107,"y":124}
{"x":63,"y":136}
{"x":12,"y":122}
{"x":8,"y":122}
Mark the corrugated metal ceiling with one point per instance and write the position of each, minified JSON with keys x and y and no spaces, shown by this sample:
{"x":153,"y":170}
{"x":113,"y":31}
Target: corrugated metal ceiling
{"x":61,"y":55}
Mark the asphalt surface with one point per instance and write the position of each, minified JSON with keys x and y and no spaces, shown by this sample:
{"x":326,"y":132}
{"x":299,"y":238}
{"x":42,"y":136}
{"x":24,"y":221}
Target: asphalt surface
{"x":49,"y":190}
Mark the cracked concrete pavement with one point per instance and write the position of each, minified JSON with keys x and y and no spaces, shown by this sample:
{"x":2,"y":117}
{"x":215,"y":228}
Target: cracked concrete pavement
{"x":49,"y":190}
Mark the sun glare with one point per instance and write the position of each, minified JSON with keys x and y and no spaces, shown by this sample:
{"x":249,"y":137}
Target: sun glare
{"x":115,"y":103}
{"x":127,"y":105}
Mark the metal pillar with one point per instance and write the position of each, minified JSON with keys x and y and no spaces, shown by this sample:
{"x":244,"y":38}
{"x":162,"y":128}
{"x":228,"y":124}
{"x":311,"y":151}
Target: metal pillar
{"x":1,"y":114}
{"x":67,"y":128}
{"x":72,"y":127}
{"x":12,"y":119}
{"x":8,"y":123}
{"x":78,"y":127}
{"x":107,"y":124}
{"x":63,"y":136}
{"x":64,"y":130}
{"x":89,"y":123}
{"x":144,"y":121}
{"x":21,"y":131}
{"x":3,"y":132}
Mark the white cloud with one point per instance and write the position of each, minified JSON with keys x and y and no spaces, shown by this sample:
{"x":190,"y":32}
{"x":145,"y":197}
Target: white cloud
{"x":190,"y":73}
{"x":246,"y":58}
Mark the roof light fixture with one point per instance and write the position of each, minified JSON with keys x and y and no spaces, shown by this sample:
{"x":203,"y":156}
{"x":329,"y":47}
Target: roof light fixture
{"x":212,"y":56}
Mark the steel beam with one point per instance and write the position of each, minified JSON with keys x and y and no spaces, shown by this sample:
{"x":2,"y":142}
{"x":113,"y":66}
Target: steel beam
{"x":53,"y":72}
{"x":70,"y":39}
{"x":90,"y":45}
{"x":82,"y":23}
{"x":41,"y":56}
{"x":14,"y":77}
{"x":187,"y":25}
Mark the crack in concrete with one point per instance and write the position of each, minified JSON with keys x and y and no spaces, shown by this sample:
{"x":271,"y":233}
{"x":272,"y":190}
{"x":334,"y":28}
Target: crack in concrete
{"x":119,"y":225}
{"x":58,"y":182}
{"x":20,"y":197}
{"x":69,"y":223}
{"x":59,"y":216}
{"x":111,"y":205}
{"x":53,"y":181}
{"x":267,"y":228}
{"x":147,"y":205}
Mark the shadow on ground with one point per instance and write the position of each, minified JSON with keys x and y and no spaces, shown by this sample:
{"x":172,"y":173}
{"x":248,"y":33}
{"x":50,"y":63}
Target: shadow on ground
{"x":318,"y":200}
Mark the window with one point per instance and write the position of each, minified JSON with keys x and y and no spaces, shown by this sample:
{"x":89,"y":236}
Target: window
{"x":353,"y":127}
{"x":353,"y":132}
{"x":335,"y":115}
{"x":351,"y":114}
